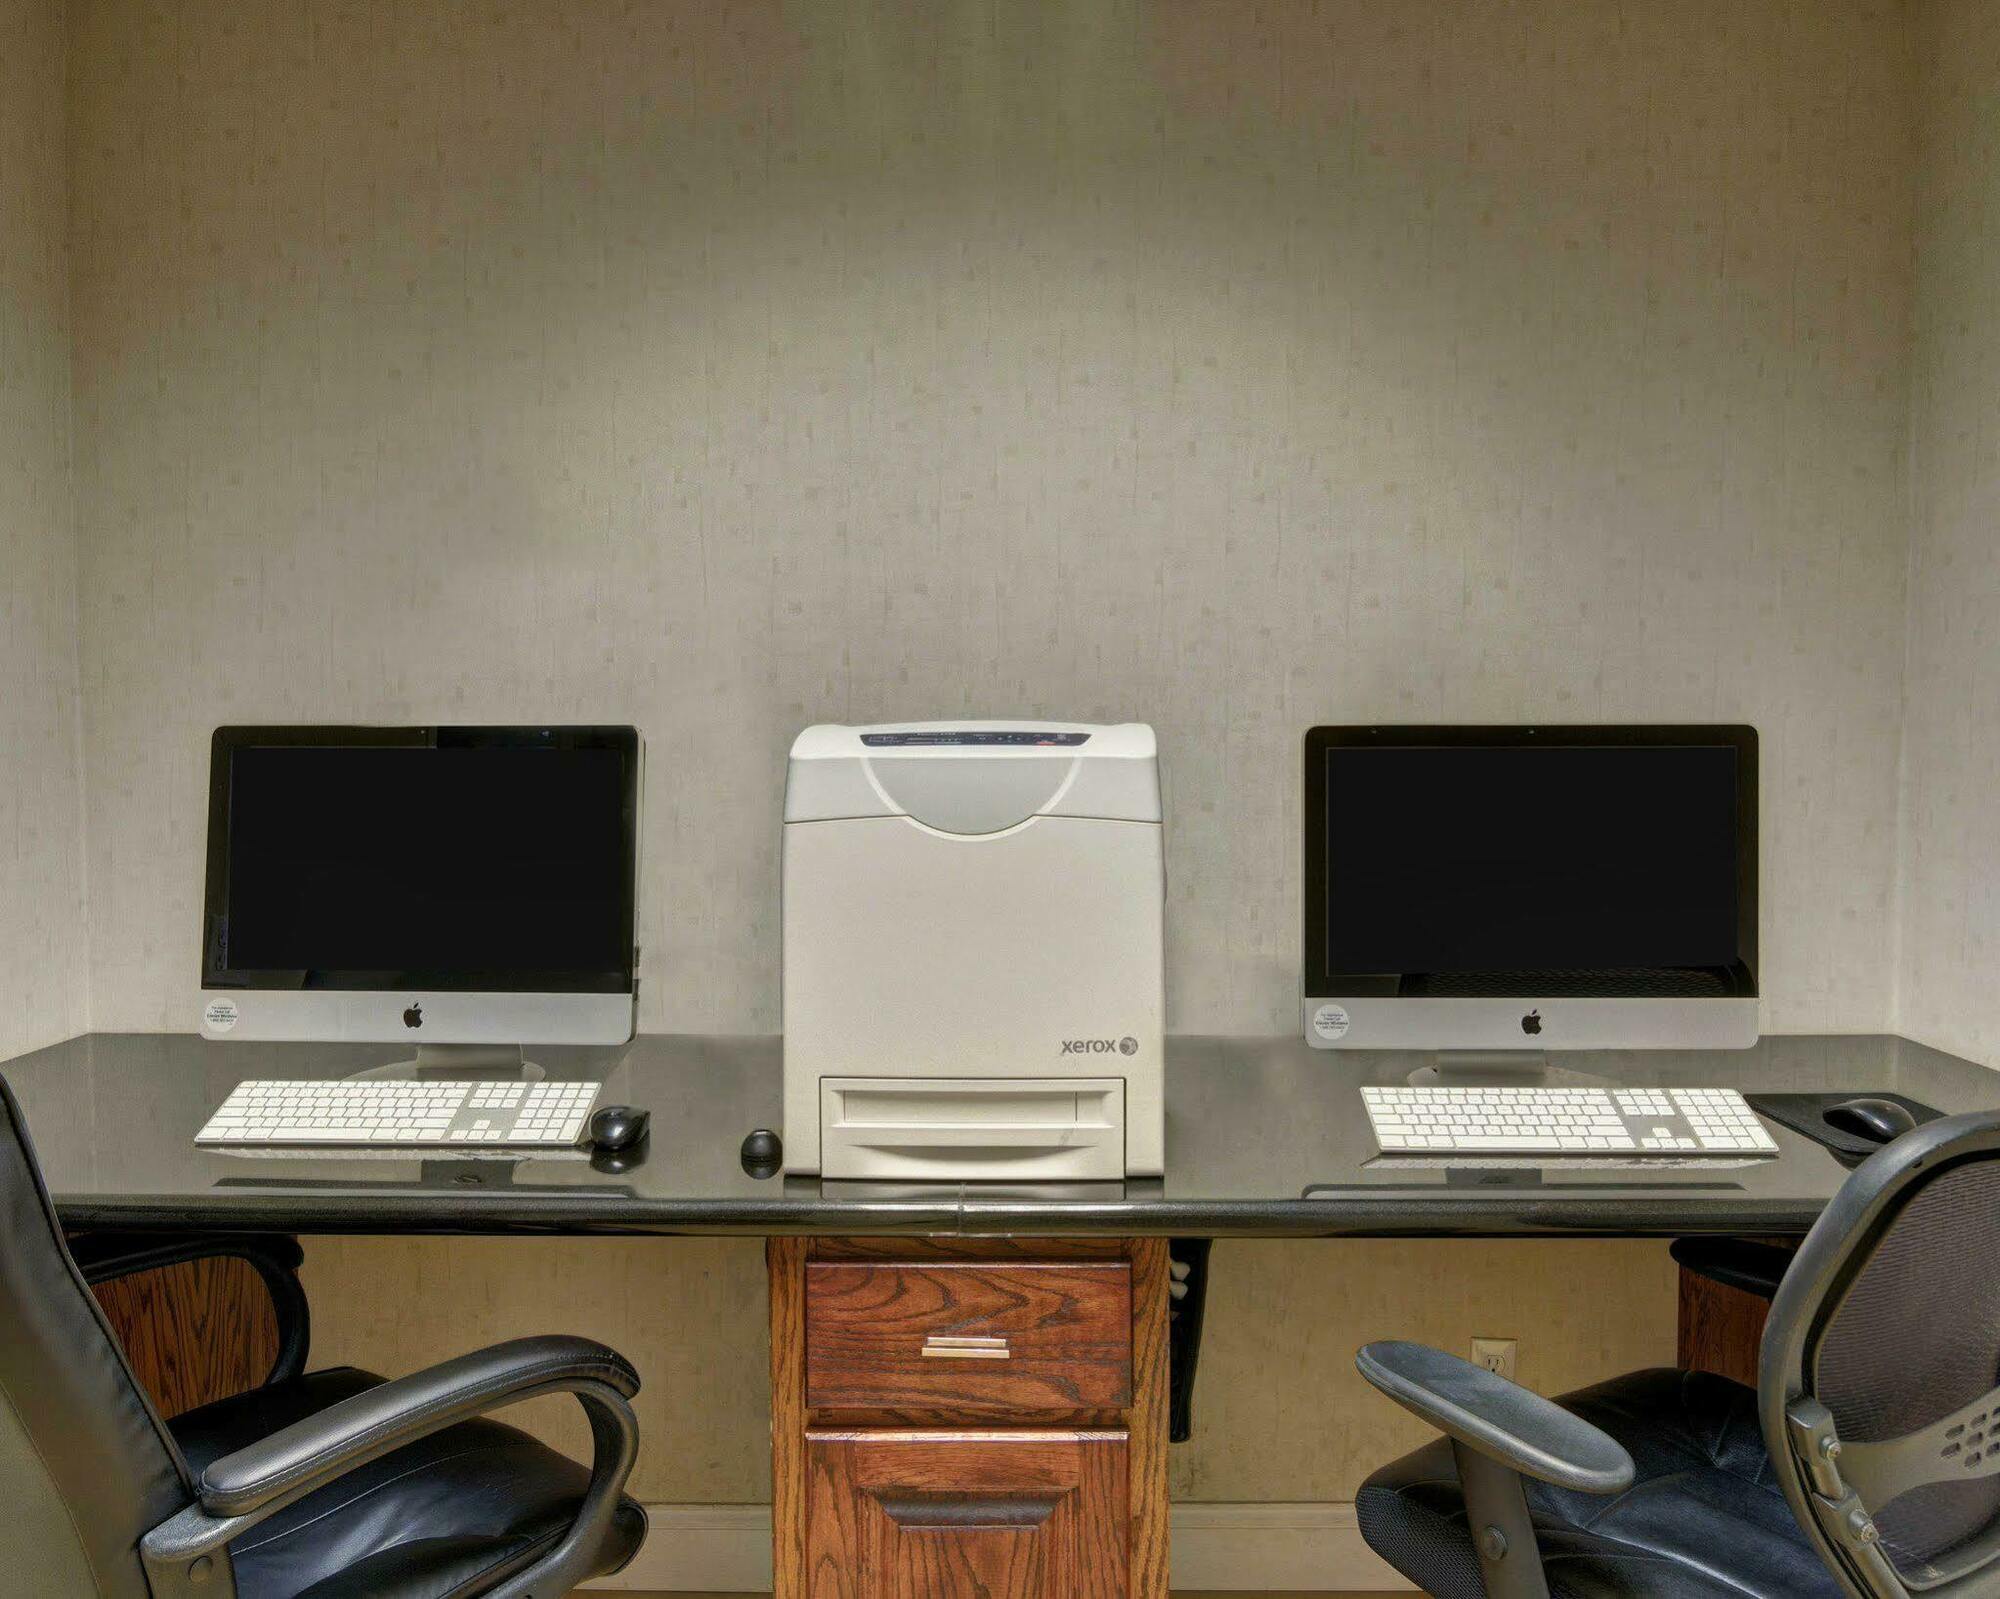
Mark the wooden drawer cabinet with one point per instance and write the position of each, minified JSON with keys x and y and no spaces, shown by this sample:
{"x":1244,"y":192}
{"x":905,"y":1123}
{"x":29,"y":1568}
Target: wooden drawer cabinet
{"x":969,"y":1418}
{"x":919,"y":1515}
{"x":975,"y":1337}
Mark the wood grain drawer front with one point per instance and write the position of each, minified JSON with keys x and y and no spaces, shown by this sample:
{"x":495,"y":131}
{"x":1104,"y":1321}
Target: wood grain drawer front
{"x":1006,"y":1338}
{"x":967,"y":1515}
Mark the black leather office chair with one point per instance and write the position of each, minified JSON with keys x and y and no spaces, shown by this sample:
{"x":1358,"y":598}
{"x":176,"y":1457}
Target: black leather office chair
{"x":1865,"y":1465}
{"x":322,"y":1485}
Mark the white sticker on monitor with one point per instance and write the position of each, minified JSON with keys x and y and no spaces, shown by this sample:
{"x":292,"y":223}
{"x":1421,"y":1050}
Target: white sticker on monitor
{"x":1330,"y":1022}
{"x":221,"y":1015}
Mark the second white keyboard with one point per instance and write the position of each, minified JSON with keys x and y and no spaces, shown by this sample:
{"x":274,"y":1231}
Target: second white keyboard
{"x":1675,"y":1123}
{"x":272,"y":1113}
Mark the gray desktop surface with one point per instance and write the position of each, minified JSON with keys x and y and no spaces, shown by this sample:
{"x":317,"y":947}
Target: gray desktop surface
{"x":1265,"y":1136}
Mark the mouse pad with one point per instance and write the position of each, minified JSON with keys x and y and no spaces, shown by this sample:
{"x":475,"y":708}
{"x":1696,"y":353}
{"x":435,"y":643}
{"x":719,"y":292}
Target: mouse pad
{"x":1806,"y":1113}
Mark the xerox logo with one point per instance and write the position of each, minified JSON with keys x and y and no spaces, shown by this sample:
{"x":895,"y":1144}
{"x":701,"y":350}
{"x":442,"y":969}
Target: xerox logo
{"x":1101,"y":1046}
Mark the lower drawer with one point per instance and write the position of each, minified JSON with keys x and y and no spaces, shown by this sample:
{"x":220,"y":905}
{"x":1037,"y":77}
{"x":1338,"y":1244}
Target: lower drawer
{"x":895,"y":1515}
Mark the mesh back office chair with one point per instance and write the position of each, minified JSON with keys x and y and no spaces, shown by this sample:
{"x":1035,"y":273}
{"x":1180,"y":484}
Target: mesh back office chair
{"x":323,"y":1485}
{"x":1866,"y":1464}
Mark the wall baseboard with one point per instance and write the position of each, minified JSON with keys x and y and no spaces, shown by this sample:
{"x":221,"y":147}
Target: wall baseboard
{"x":1303,"y":1548}
{"x":700,"y":1549}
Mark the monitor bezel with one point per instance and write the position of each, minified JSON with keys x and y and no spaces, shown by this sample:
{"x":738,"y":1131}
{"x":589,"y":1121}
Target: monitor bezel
{"x":223,"y":746}
{"x":1318,"y":981}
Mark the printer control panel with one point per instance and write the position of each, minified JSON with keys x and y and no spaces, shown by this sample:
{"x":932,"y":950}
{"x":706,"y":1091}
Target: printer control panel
{"x":974,"y":738}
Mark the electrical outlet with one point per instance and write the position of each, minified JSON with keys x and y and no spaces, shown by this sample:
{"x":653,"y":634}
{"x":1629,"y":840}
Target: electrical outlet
{"x":1496,"y":1355}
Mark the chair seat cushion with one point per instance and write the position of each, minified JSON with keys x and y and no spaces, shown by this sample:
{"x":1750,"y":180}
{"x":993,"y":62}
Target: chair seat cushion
{"x":1704,"y":1516}
{"x":442,"y":1517}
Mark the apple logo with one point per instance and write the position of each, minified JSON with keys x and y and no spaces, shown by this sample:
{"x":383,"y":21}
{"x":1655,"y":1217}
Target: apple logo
{"x":1531,"y":1023}
{"x":414,"y":1016}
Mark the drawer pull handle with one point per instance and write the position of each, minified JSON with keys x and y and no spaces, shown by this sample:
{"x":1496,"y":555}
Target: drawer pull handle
{"x":937,"y":1347}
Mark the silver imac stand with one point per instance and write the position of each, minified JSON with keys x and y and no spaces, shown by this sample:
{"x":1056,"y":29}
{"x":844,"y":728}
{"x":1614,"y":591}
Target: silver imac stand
{"x":449,"y":1062}
{"x":1500,"y":1068}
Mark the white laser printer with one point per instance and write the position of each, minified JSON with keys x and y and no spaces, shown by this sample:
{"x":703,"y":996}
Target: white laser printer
{"x":973,"y":935}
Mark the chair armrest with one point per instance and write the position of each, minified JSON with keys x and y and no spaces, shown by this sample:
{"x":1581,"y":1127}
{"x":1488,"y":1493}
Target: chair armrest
{"x":1735,"y":1263}
{"x":1499,"y":1419}
{"x":294,"y":1460}
{"x":105,"y":1257}
{"x":241,"y":1489}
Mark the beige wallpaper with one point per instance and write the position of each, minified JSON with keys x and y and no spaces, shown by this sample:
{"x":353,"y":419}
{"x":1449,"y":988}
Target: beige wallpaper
{"x":1233,"y":367}
{"x":731,"y":368}
{"x":42,"y":971}
{"x":1951,"y":804}
{"x":728,"y":367}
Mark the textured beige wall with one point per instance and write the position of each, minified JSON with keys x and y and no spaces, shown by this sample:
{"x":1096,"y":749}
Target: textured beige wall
{"x":42,"y":973}
{"x":688,"y":1312}
{"x":1280,"y":1412}
{"x":728,"y":367}
{"x":1951,"y":797}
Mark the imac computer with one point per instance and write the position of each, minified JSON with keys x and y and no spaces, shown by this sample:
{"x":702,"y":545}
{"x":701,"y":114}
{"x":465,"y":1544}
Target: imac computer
{"x":461,"y":890}
{"x":1491,"y":893}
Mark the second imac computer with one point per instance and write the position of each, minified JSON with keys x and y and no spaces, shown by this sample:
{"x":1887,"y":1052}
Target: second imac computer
{"x":1522,"y":889}
{"x":461,"y":891}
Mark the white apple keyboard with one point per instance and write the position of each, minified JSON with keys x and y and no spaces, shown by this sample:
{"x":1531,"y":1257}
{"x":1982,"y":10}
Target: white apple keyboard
{"x":396,"y":1114}
{"x":1675,"y":1124}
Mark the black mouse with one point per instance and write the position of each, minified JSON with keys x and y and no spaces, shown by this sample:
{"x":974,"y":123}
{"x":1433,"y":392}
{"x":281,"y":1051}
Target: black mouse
{"x":618,"y":1126}
{"x":763,"y":1153}
{"x":1877,"y":1120}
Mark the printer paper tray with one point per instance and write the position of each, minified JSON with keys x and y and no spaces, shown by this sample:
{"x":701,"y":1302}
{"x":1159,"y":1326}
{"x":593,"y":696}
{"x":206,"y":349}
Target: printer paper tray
{"x":955,"y":1128}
